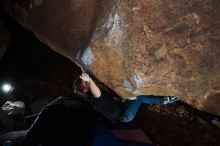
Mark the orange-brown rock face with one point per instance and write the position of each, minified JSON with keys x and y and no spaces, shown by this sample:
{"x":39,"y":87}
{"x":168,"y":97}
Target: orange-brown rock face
{"x":151,"y":47}
{"x":157,"y":47}
{"x":4,"y":38}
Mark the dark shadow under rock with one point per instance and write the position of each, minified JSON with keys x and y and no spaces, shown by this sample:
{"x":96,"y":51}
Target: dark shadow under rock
{"x":178,"y":125}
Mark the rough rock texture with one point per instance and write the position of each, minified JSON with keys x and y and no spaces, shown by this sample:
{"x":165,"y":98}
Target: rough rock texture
{"x":151,"y":47}
{"x":4,"y":38}
{"x":162,"y":48}
{"x":13,"y":108}
{"x":65,"y":26}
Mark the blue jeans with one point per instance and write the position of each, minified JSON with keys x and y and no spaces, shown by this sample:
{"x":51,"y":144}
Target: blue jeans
{"x":131,"y":106}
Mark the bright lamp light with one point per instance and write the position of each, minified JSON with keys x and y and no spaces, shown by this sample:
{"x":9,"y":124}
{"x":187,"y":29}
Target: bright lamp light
{"x":6,"y":88}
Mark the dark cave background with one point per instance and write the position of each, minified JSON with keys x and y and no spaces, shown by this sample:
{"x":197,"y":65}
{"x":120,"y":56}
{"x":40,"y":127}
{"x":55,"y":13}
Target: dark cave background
{"x":39,"y":75}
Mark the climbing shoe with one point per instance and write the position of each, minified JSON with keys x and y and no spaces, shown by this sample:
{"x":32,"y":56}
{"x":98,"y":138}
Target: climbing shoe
{"x":170,"y":99}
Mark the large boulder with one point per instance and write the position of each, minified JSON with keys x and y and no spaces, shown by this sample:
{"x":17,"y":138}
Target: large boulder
{"x":4,"y":38}
{"x":158,"y":47}
{"x":150,"y":47}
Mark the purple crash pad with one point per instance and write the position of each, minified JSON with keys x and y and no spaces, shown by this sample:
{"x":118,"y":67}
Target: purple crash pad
{"x":131,"y":135}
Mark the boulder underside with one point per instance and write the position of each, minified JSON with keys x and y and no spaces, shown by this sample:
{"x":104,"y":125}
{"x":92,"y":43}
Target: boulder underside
{"x":143,"y":47}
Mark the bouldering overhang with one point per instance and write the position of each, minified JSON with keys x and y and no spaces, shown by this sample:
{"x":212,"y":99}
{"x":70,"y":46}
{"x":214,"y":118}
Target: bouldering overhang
{"x":135,"y":47}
